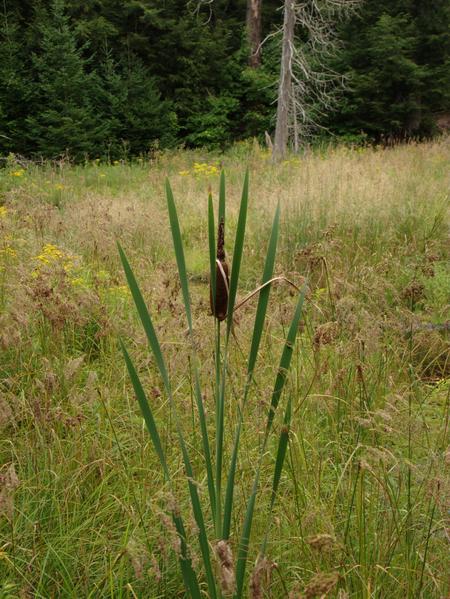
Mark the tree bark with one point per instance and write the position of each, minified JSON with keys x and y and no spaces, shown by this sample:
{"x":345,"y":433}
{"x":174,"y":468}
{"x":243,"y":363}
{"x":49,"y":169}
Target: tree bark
{"x":254,"y":27}
{"x":284,"y":100}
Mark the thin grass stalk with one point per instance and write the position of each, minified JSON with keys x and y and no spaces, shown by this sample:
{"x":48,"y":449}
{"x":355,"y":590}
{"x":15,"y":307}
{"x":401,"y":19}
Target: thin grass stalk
{"x":409,"y":473}
{"x":360,"y":510}
{"x":427,"y":542}
{"x":221,"y":365}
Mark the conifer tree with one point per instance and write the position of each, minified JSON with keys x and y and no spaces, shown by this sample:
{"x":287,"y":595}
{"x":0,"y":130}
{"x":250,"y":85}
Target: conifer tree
{"x":146,"y":118}
{"x":63,"y":119}
{"x":13,"y":88}
{"x":109,"y":101}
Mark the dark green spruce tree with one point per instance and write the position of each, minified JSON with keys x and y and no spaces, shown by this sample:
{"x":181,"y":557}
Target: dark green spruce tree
{"x":63,"y":118}
{"x":14,"y":91}
{"x":396,"y":58}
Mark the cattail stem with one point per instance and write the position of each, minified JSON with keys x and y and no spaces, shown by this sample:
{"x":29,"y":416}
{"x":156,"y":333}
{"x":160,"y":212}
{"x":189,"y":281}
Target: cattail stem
{"x":219,"y":433}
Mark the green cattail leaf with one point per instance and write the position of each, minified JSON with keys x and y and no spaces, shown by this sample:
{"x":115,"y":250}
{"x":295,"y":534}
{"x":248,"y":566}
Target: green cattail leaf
{"x":195,"y":500}
{"x":145,"y":409}
{"x":285,"y":361}
{"x":264,"y":293}
{"x":198,"y":515}
{"x":237,"y":254}
{"x":244,"y":540}
{"x":145,"y":319}
{"x":212,"y":250}
{"x":256,"y":339}
{"x":189,"y":576}
{"x":281,"y":453}
{"x":179,"y":252}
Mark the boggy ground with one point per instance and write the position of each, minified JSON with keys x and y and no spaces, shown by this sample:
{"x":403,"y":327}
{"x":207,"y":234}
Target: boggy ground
{"x":363,"y":504}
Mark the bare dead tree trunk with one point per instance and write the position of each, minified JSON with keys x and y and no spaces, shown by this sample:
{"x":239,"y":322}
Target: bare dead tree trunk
{"x":307,"y":88}
{"x":284,"y":101}
{"x":254,"y":28}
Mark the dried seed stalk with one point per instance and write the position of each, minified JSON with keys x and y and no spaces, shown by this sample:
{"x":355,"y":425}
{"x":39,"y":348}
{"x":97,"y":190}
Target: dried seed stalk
{"x":226,"y":567}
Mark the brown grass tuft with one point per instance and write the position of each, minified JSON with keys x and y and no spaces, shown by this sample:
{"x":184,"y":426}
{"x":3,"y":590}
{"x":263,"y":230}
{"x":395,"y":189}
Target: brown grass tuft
{"x":225,"y":561}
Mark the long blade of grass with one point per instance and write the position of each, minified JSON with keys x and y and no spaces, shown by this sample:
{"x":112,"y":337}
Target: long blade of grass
{"x":189,"y":576}
{"x":212,"y":250}
{"x":145,"y":319}
{"x":179,"y":253}
{"x":198,"y":515}
{"x":146,"y":410}
{"x":256,"y":339}
{"x":285,"y":361}
{"x":205,"y":442}
{"x":264,"y":294}
{"x":280,"y":382}
{"x":237,"y":254}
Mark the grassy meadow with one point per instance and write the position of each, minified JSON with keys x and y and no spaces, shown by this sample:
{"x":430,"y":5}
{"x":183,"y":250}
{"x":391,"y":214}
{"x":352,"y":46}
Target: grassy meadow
{"x":362,"y":509}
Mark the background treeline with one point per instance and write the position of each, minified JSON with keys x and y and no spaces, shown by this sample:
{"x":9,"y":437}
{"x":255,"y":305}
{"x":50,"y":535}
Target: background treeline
{"x":115,"y":78}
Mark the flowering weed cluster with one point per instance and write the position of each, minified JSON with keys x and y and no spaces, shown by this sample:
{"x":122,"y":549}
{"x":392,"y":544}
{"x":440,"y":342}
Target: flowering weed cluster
{"x":201,"y":169}
{"x":52,"y":256}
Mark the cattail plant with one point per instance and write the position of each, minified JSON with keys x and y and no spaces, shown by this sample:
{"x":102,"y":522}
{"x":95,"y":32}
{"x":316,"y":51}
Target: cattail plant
{"x":219,"y":295}
{"x":227,"y":576}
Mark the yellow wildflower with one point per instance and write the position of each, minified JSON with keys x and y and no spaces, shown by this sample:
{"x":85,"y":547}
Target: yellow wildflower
{"x":203,"y":168}
{"x":3,"y":211}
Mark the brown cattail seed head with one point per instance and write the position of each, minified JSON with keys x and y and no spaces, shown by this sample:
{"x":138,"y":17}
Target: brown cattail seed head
{"x":220,"y":305}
